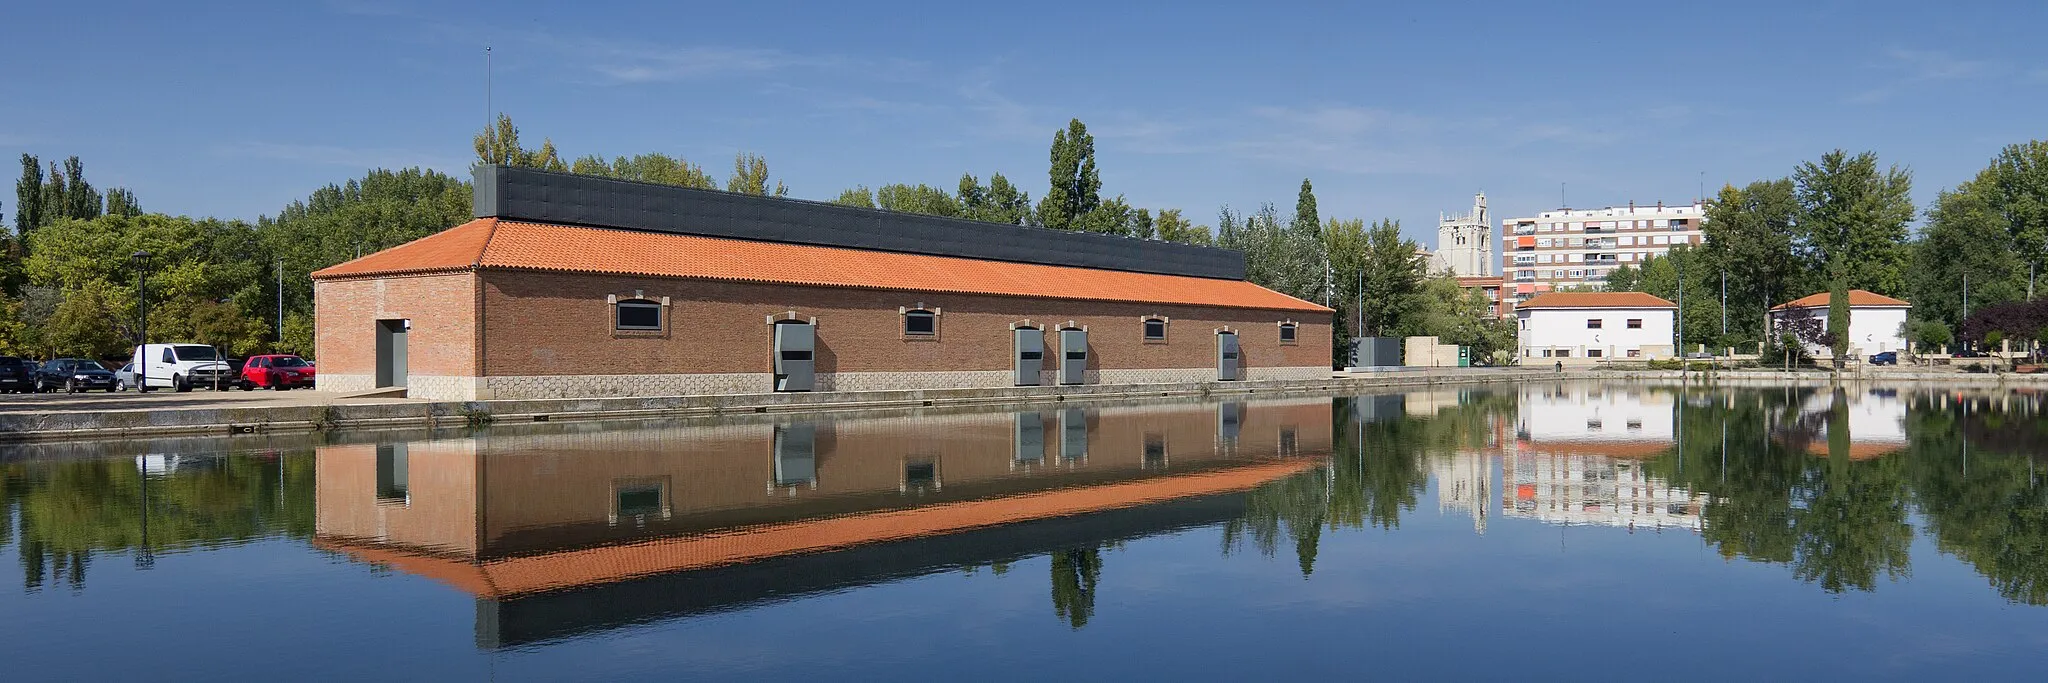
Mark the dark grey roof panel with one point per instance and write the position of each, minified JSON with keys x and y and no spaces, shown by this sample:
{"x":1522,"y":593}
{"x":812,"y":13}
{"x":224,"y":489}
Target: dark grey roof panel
{"x":540,"y":196}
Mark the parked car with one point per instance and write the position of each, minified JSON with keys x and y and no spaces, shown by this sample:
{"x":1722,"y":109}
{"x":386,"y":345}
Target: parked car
{"x":280,"y":371}
{"x":73,"y":375}
{"x":182,"y":366}
{"x":16,"y":375}
{"x":124,"y":378}
{"x":1885,"y":358}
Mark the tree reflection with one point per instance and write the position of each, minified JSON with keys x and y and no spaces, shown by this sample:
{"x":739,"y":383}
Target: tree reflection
{"x":1074,"y":573}
{"x":1977,"y":481}
{"x":1377,"y":472}
{"x":66,"y":511}
{"x":1785,"y":488}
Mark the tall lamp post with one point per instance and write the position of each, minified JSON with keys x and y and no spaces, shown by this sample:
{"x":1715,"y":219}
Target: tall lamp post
{"x":141,"y":259}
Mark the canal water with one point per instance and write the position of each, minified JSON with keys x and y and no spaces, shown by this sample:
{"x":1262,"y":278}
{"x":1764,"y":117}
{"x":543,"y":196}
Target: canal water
{"x":1538,"y":532}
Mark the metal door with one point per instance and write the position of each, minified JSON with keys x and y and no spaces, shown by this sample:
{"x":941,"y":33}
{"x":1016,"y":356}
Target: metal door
{"x":796,"y":454}
{"x":1073,"y":435}
{"x":1227,"y":357}
{"x":1030,"y":349}
{"x":1073,"y":356}
{"x":795,"y":348}
{"x":391,"y":352}
{"x":1030,"y":438}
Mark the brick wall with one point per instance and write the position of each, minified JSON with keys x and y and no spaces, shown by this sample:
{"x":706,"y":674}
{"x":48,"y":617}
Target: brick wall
{"x":560,"y":324}
{"x":441,"y":348}
{"x":547,"y":335}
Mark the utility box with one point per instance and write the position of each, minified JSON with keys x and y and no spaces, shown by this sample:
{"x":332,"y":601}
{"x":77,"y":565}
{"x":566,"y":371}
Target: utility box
{"x":1375,"y":352}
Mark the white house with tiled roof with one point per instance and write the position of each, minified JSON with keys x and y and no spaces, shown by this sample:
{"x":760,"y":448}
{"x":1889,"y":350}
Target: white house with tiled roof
{"x":1583,"y":328}
{"x":1877,"y":323}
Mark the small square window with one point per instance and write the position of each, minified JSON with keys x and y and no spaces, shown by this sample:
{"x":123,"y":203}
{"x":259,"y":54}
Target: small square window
{"x":1564,"y":353}
{"x":1594,"y":353}
{"x":1155,"y":329}
{"x":920,"y":323}
{"x":638,"y":315}
{"x":1635,"y":323}
{"x":1592,"y":323}
{"x":1287,"y":332}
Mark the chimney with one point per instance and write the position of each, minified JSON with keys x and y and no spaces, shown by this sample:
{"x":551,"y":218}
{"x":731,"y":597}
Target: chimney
{"x":1660,"y":205}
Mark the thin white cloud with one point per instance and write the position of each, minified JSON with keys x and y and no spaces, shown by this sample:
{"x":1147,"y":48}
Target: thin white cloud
{"x":335,"y":155}
{"x":1914,"y":68}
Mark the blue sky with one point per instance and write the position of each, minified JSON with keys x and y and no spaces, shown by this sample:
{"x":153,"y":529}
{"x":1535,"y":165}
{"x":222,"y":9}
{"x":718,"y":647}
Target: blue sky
{"x":1396,"y":110}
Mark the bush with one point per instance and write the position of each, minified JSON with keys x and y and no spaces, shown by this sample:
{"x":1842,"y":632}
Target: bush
{"x":1979,"y":368}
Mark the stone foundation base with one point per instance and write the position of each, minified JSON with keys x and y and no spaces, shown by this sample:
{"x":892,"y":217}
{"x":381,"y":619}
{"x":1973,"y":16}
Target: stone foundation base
{"x":619,"y":386}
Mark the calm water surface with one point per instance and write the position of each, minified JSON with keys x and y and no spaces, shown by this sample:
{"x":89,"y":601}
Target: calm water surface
{"x":1543,"y":532}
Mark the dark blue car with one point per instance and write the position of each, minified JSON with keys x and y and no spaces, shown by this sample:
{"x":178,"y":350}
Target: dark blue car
{"x":1886,"y":358}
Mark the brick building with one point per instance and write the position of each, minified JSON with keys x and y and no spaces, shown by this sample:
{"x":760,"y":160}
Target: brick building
{"x":571,"y":286}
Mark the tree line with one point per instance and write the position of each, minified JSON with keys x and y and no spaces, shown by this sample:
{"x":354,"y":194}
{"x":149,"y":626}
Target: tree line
{"x":1842,"y":222}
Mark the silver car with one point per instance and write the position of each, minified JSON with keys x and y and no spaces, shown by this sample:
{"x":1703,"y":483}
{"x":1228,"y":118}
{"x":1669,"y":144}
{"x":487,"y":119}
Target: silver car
{"x":124,"y":378}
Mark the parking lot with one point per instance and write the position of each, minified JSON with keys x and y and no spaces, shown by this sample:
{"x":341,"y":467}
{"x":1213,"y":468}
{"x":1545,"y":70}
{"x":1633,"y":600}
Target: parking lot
{"x":165,"y":399}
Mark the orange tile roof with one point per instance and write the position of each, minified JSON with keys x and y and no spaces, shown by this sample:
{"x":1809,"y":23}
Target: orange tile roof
{"x":515,"y":576}
{"x":1857,"y":297}
{"x":1595,"y":300}
{"x":492,"y":243}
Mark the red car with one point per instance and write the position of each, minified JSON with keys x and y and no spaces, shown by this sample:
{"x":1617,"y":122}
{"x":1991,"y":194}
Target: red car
{"x":277,"y":371}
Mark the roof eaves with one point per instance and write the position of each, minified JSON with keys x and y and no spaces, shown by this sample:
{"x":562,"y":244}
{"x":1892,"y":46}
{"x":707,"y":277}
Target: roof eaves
{"x":1309,"y":308}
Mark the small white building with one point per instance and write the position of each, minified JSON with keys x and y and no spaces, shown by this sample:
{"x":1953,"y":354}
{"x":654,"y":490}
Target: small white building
{"x":1590,"y":327}
{"x":1877,"y":323}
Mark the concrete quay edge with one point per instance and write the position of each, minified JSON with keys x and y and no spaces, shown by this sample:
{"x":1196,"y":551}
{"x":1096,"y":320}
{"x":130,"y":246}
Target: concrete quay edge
{"x":123,"y":424}
{"x":228,"y":420}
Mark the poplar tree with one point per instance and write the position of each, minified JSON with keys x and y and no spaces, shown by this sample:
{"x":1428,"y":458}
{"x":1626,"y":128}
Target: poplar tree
{"x":1075,"y":188}
{"x":28,"y":196}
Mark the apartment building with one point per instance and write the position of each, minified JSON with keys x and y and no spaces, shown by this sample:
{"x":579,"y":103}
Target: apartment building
{"x":1579,"y":247}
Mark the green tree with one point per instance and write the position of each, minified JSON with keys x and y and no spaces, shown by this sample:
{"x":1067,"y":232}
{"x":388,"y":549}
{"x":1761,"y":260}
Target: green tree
{"x":1109,"y":217}
{"x":85,"y":323}
{"x":499,"y":144}
{"x":80,"y":200}
{"x":750,"y":176}
{"x":1964,"y":238}
{"x":1393,"y":272}
{"x":1075,"y":188}
{"x":997,"y":202}
{"x":1852,"y":222}
{"x":1141,"y":224}
{"x":920,"y":198}
{"x":336,"y":223}
{"x":647,"y":168}
{"x":1749,"y":237}
{"x":28,"y":196}
{"x":1171,"y":227}
{"x":857,"y":196}
{"x":121,"y":202}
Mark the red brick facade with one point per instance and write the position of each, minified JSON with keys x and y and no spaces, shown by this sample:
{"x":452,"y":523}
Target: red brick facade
{"x":540,"y":324}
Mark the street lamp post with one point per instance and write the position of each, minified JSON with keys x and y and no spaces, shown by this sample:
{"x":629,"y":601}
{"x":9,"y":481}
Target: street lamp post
{"x":141,"y":259}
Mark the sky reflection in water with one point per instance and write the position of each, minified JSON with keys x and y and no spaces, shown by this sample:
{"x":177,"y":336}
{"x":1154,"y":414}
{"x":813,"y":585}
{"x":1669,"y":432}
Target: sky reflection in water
{"x":1553,"y":531}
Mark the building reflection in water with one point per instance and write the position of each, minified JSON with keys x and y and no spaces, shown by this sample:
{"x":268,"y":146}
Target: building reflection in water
{"x":559,"y":532}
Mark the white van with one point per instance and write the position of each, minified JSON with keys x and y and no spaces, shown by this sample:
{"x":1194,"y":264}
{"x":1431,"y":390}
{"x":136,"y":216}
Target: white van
{"x":181,"y":367}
